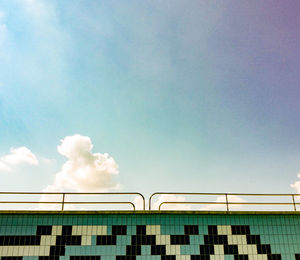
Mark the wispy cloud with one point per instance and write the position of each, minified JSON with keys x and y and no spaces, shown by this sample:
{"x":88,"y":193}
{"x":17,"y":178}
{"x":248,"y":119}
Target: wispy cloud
{"x":21,"y":155}
{"x":3,"y":28}
{"x":84,"y":170}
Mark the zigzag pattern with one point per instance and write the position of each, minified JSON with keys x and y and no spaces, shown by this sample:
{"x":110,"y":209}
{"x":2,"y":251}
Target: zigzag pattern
{"x":50,"y":243}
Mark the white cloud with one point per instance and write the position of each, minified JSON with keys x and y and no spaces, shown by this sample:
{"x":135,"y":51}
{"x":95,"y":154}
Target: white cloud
{"x":38,"y":8}
{"x":84,"y":170}
{"x":296,"y":185}
{"x":21,"y":155}
{"x":4,"y":167}
{"x":171,"y":198}
{"x":231,"y":198}
{"x":3,"y":28}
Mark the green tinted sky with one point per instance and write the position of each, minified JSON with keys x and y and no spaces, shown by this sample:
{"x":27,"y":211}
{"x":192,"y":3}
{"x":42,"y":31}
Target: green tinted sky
{"x":184,"y":95}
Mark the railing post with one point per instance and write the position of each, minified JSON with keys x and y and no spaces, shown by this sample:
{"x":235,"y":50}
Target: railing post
{"x":293,"y":197}
{"x":227,"y":207}
{"x":63,"y":201}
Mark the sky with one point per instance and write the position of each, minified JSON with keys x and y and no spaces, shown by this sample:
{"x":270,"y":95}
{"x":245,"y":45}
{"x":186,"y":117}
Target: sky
{"x":195,"y":96}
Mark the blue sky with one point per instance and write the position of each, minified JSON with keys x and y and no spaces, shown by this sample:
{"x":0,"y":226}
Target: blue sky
{"x":196,"y":96}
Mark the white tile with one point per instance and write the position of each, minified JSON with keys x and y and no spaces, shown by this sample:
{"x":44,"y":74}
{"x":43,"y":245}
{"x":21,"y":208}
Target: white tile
{"x":21,"y":251}
{"x":89,"y":230}
{"x":224,"y":230}
{"x":219,"y":249}
{"x":217,"y":257}
{"x":183,"y":257}
{"x":237,"y":239}
{"x":153,"y":229}
{"x":25,"y":251}
{"x":101,"y":230}
{"x":12,"y":249}
{"x":94,"y":230}
{"x":47,"y":240}
{"x":247,"y":249}
{"x":172,"y":249}
{"x":4,"y":251}
{"x":258,"y":257}
{"x":86,"y":240}
{"x":56,"y":230}
{"x":89,"y":240}
{"x":163,"y":240}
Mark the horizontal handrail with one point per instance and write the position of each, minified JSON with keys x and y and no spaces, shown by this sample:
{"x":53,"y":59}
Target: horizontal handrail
{"x":63,"y":202}
{"x":225,"y":203}
{"x":226,"y":199}
{"x":66,"y":202}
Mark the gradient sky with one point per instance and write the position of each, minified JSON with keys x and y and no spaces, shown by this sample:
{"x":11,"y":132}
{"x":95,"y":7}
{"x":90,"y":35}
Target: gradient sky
{"x":199,"y":96}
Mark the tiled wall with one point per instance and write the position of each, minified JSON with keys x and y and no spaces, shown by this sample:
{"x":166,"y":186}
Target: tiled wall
{"x":150,"y":236}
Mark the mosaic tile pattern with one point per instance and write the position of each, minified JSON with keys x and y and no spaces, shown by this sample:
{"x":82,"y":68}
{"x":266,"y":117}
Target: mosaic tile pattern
{"x":149,"y":236}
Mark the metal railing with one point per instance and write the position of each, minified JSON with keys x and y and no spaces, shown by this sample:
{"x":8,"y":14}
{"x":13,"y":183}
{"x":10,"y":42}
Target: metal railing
{"x":226,"y":201}
{"x":64,"y":200}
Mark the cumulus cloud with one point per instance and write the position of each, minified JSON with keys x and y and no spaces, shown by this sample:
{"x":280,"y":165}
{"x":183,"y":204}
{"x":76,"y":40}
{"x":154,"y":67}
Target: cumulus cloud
{"x":21,"y":155}
{"x":296,"y":185}
{"x":231,"y":198}
{"x":171,"y":198}
{"x":175,"y":198}
{"x":84,"y":170}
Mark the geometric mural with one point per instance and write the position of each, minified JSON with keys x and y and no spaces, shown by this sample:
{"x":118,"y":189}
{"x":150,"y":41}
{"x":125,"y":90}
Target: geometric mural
{"x":165,"y":241}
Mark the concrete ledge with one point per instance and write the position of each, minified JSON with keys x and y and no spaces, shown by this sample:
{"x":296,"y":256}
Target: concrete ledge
{"x":152,"y":212}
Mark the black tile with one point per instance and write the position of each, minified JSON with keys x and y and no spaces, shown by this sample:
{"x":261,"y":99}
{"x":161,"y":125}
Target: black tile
{"x":83,"y":257}
{"x":20,"y":240}
{"x":66,"y":231}
{"x":106,"y":240}
{"x":133,"y":250}
{"x":275,"y":257}
{"x":61,"y":240}
{"x":68,"y":240}
{"x":231,"y":249}
{"x":200,"y":257}
{"x":207,"y":250}
{"x":11,"y":258}
{"x":119,"y":230}
{"x":191,"y":230}
{"x":168,"y":257}
{"x":263,"y":249}
{"x":241,"y":257}
{"x":48,"y":257}
{"x":74,"y":241}
{"x":143,"y":240}
{"x":180,"y":240}
{"x":44,"y":230}
{"x":158,"y":250}
{"x":253,"y":239}
{"x":57,"y":250}
{"x":141,"y":230}
{"x":215,"y":239}
{"x":240,"y":230}
{"x":212,"y":230}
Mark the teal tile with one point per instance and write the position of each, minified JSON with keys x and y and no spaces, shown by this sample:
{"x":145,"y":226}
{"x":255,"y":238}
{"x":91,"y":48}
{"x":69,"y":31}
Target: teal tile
{"x":197,"y":240}
{"x":145,"y":250}
{"x":108,"y":257}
